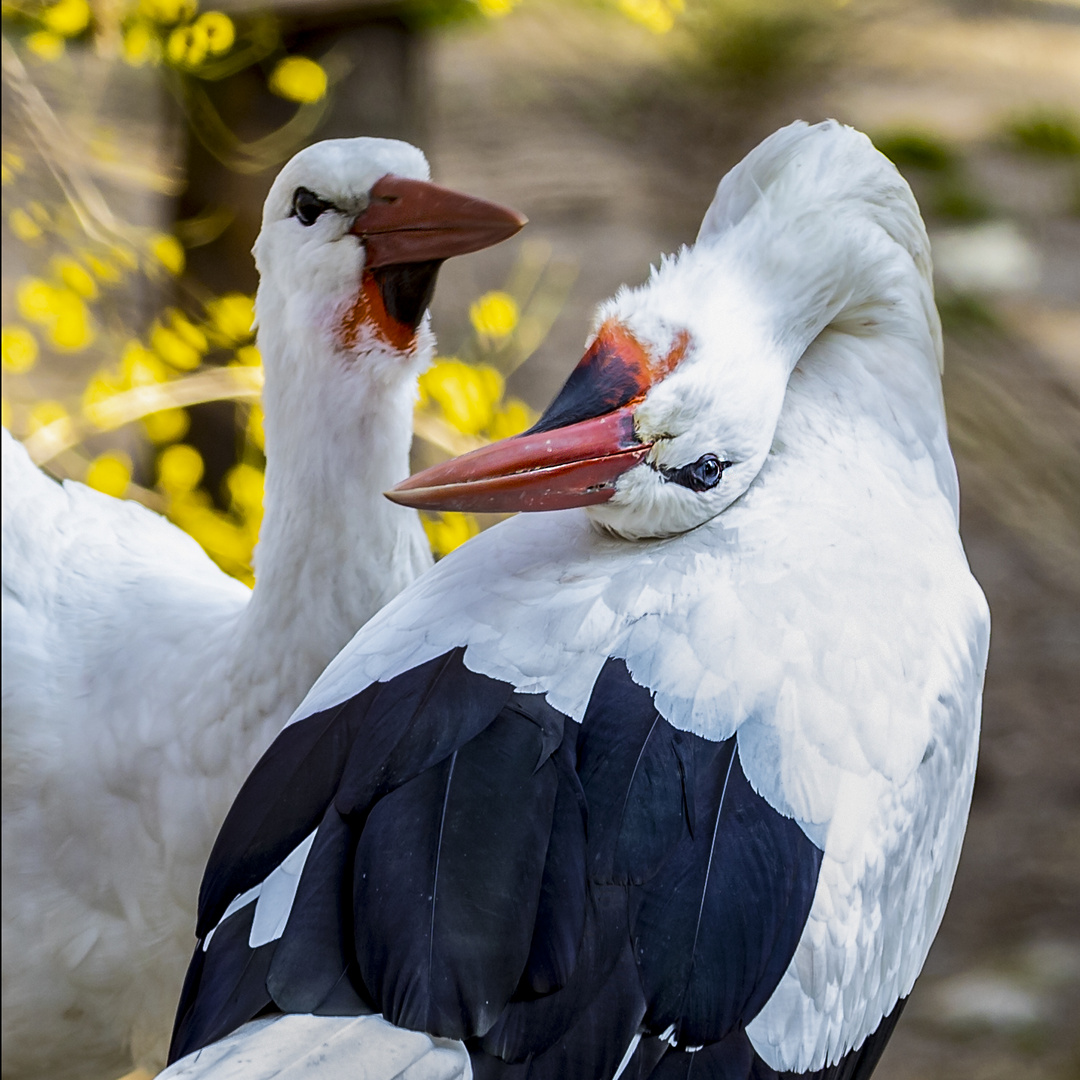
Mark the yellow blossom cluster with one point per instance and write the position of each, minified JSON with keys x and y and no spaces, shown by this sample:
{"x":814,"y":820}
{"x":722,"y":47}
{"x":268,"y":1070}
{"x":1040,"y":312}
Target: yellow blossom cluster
{"x":655,"y":15}
{"x":496,"y":9}
{"x":59,"y":309}
{"x":110,"y":473}
{"x":445,"y":532}
{"x":228,"y":538}
{"x":173,"y":32}
{"x":494,"y":316}
{"x":297,"y":78}
{"x":211,"y":34}
{"x":470,"y":397}
{"x":59,"y":21}
{"x":18,"y":349}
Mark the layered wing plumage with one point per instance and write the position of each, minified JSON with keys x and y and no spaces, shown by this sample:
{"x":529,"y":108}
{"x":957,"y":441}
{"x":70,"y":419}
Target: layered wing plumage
{"x":484,"y":868}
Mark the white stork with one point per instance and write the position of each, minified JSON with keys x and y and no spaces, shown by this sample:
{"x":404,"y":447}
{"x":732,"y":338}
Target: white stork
{"x":672,"y":784}
{"x":140,"y":684}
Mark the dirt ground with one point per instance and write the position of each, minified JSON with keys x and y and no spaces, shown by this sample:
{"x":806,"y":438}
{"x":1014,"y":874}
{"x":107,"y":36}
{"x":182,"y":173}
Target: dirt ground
{"x":605,"y":138}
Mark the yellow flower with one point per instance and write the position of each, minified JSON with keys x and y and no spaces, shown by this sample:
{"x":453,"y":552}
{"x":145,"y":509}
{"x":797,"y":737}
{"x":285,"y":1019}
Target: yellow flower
{"x":110,"y":473}
{"x":167,"y":426}
{"x":219,"y":31}
{"x":232,"y":315}
{"x":98,"y":391}
{"x":71,"y":328}
{"x":245,"y":484}
{"x":188,"y":45}
{"x":188,"y":330}
{"x":655,"y":15}
{"x":140,"y":44}
{"x":140,"y":367}
{"x":57,"y":308}
{"x":13,"y":161}
{"x":496,"y":9}
{"x":494,"y":315}
{"x":24,"y":226}
{"x":18,"y":348}
{"x":448,"y":531}
{"x":173,"y":349}
{"x":68,"y":17}
{"x":46,"y":45}
{"x":36,"y":299}
{"x":74,"y":276}
{"x":227,"y":543}
{"x":180,"y":468}
{"x":512,"y":419}
{"x":72,"y":331}
{"x":248,"y":356}
{"x":297,"y":78}
{"x":169,"y":252}
{"x":46,"y":412}
{"x":168,"y":11}
{"x":466,"y":393}
{"x":255,"y":427}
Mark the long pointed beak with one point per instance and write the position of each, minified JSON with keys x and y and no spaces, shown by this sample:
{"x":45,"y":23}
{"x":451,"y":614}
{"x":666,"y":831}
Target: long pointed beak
{"x":413,"y":221}
{"x":550,"y":470}
{"x":571,"y":457}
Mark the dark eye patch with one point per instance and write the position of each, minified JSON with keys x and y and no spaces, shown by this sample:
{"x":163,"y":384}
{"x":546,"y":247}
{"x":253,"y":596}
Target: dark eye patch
{"x":308,"y":207}
{"x":701,"y":475}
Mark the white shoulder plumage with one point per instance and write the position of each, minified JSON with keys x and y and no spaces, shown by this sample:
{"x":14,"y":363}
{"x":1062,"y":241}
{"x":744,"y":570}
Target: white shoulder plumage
{"x":299,"y":1047}
{"x":87,"y":581}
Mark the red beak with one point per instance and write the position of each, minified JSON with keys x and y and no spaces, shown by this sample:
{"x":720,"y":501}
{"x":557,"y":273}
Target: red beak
{"x":571,"y":457}
{"x":413,"y":221}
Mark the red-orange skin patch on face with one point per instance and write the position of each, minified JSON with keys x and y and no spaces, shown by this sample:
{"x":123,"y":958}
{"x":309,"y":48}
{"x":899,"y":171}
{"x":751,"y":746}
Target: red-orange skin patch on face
{"x":614,"y":343}
{"x":616,"y":371}
{"x":369,"y":311}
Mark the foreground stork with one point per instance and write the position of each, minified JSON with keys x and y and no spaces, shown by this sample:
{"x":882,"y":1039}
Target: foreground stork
{"x":140,"y":683}
{"x":672,"y":784}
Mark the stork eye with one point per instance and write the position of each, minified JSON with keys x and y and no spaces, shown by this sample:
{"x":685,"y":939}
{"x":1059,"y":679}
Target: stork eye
{"x":702,"y":475}
{"x":307,"y":206}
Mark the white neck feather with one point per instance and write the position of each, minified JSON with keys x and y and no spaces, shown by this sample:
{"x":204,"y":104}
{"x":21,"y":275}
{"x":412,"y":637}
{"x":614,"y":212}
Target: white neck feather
{"x":332,"y":549}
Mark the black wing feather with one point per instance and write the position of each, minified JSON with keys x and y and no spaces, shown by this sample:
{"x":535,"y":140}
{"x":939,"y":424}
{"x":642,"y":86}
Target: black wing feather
{"x":593,"y":1044}
{"x":529,"y":1027}
{"x":633,"y":780}
{"x":314,"y":959}
{"x":281,"y":802}
{"x":415,"y":722}
{"x":716,"y":930}
{"x":448,"y":881}
{"x":560,"y":915}
{"x":230,"y":986}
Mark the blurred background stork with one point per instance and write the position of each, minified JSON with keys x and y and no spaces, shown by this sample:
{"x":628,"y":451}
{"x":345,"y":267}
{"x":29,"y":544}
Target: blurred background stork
{"x":140,"y":137}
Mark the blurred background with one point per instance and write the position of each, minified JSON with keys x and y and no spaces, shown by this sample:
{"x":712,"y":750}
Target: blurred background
{"x":140,"y":136}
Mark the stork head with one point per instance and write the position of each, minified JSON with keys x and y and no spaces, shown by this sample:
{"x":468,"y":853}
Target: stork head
{"x":353,"y":235}
{"x":650,"y":432}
